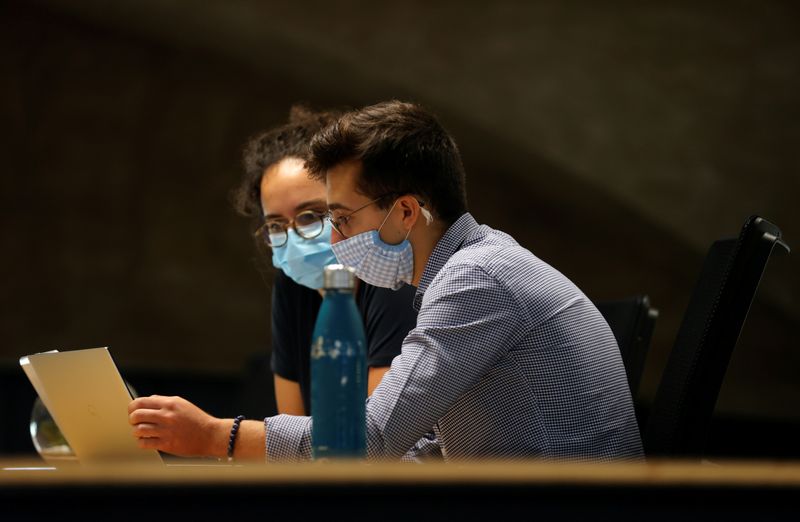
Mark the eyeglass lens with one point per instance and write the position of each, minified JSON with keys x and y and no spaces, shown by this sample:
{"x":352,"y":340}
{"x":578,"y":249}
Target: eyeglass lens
{"x":308,"y":225}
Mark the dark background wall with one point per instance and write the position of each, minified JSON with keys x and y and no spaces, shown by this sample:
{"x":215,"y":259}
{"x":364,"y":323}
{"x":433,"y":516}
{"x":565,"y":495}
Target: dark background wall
{"x":615,"y":142}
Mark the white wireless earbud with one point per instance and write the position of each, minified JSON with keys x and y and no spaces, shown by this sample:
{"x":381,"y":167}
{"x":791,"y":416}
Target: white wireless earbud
{"x":427,"y":214}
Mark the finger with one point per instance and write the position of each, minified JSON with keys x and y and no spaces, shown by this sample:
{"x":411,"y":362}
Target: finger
{"x":145,"y":415}
{"x":153,"y":402}
{"x":147,"y":430}
{"x":149,"y":443}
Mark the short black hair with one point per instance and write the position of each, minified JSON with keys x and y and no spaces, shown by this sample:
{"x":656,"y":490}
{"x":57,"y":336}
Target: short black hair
{"x":403,"y":150}
{"x":290,"y":140}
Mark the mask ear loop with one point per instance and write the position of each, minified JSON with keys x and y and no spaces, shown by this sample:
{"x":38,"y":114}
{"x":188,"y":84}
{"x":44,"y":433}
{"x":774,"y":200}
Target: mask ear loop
{"x":387,"y":215}
{"x":426,"y":214}
{"x":424,"y":211}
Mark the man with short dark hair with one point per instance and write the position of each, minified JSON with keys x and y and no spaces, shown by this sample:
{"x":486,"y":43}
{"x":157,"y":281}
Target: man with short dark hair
{"x":509,"y":358}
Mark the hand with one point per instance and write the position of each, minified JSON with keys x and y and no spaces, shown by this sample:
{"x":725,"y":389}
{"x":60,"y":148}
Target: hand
{"x":175,"y":425}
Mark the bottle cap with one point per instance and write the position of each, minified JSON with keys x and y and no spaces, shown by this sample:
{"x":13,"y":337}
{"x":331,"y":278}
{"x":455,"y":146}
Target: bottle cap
{"x":339,"y":276}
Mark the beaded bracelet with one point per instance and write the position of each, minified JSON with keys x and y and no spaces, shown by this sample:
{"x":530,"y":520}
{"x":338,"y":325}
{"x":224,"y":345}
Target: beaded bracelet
{"x":232,"y":438}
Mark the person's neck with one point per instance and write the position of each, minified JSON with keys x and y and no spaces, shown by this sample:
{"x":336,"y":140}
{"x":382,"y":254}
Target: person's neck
{"x":423,"y":248}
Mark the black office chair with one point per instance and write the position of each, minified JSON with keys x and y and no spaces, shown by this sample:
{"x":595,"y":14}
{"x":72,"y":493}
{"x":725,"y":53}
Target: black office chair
{"x":632,"y":321}
{"x":684,"y":402}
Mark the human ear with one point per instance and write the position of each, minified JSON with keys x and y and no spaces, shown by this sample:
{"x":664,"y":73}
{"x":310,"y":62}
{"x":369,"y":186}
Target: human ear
{"x":409,"y":208}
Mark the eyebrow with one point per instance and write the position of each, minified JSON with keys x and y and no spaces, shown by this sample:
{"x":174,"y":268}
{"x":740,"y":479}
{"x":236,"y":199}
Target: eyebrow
{"x":337,"y":206}
{"x":301,"y":207}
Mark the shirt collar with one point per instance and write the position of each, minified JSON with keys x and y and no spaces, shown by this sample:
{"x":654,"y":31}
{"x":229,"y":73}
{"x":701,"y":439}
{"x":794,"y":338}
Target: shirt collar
{"x":448,"y":245}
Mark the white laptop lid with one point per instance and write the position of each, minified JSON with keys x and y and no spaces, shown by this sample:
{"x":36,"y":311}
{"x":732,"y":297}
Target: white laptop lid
{"x":85,"y":394}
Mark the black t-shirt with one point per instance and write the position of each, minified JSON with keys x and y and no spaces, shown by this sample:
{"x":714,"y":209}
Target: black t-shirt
{"x":388,"y":316}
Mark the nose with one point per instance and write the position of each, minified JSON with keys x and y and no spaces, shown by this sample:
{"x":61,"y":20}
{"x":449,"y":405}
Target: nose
{"x":336,"y":236}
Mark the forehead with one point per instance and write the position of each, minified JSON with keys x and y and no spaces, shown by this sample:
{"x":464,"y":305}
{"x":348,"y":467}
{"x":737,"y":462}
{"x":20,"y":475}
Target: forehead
{"x":341,"y":183}
{"x":286,"y":186}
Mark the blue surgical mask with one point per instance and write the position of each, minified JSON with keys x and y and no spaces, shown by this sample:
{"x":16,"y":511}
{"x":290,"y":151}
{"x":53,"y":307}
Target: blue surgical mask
{"x":377,"y":262}
{"x":303,"y":259}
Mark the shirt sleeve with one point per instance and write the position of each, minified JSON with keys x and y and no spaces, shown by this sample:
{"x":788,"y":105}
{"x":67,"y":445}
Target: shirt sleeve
{"x":466,"y":324}
{"x":287,"y":438}
{"x":426,"y":449}
{"x":283,"y":360}
{"x":464,"y":327}
{"x":388,"y":317}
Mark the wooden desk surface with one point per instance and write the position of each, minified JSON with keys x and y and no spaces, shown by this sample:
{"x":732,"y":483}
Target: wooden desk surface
{"x":655,"y":473}
{"x":654,"y":490}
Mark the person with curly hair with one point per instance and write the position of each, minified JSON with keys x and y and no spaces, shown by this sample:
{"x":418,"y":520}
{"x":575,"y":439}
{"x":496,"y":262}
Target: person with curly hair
{"x":287,"y":210}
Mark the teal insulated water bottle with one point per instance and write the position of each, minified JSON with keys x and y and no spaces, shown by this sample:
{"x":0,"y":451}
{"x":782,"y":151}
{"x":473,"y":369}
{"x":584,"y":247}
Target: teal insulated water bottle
{"x":338,"y":371}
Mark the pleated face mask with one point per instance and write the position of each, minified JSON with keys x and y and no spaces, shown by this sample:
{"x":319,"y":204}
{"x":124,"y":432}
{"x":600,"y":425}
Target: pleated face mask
{"x":303,"y":259}
{"x":377,"y":262}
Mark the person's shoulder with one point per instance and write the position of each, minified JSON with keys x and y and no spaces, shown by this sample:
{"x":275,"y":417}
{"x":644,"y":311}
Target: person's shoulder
{"x":498,"y":259}
{"x":489,"y":250}
{"x":492,"y":259}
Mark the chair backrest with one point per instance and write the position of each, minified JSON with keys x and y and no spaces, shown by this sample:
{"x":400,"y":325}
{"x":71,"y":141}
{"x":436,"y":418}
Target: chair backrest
{"x":684,"y":402}
{"x":632,"y":321}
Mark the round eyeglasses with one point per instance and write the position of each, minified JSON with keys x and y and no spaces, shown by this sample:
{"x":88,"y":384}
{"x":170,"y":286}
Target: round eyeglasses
{"x":308,"y":225}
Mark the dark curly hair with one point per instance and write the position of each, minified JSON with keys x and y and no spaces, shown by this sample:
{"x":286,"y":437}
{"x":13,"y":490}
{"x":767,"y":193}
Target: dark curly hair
{"x":403,"y":149}
{"x":290,"y":140}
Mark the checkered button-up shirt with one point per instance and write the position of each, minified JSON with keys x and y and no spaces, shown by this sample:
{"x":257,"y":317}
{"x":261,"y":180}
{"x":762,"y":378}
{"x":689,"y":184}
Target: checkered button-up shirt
{"x":508,"y":359}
